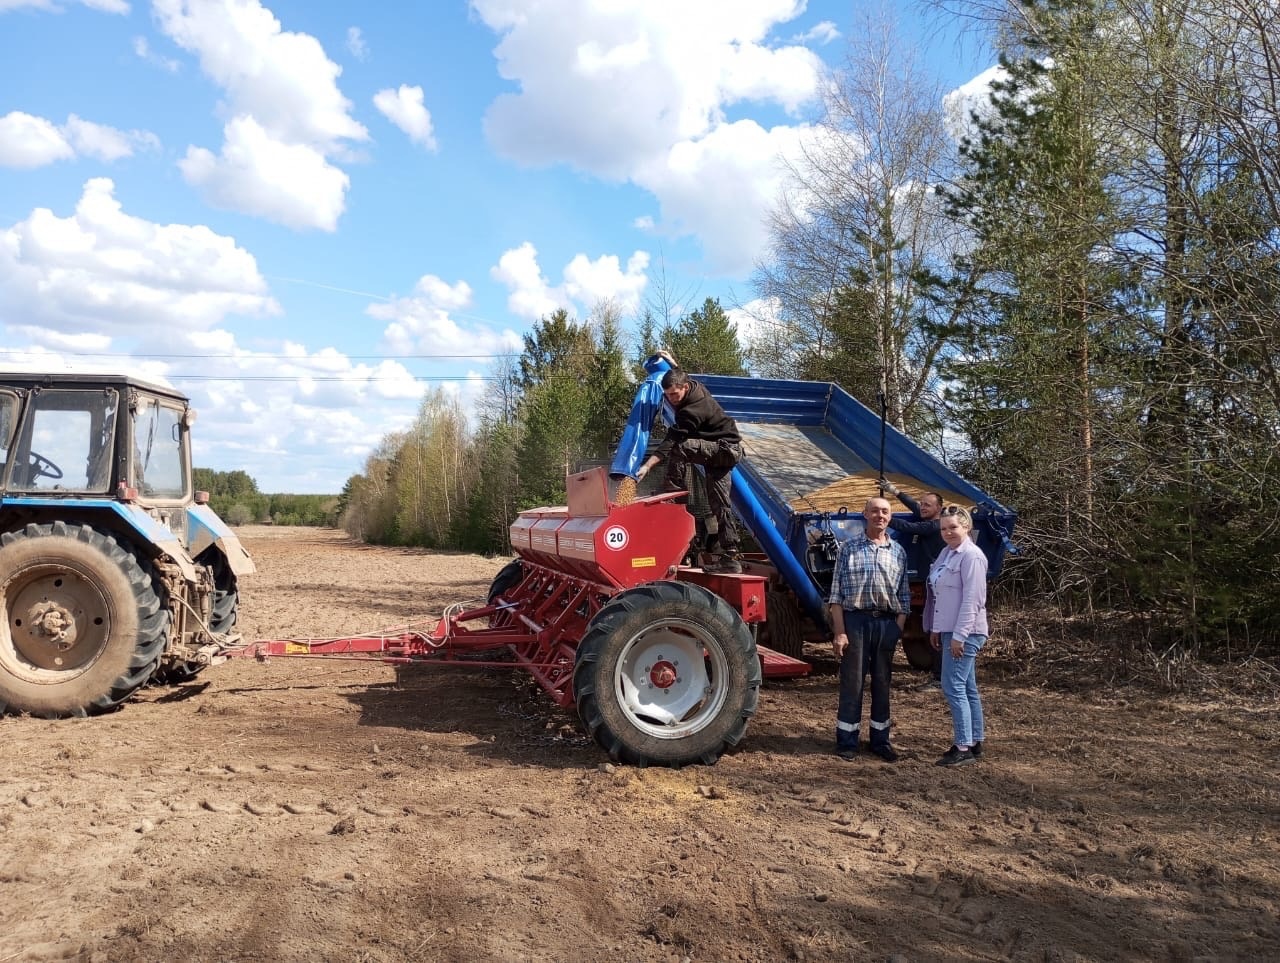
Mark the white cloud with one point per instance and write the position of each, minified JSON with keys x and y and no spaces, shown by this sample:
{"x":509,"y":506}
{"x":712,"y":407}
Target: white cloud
{"x":142,"y":49}
{"x":585,"y":284}
{"x":405,"y":109}
{"x":78,"y":292}
{"x":106,"y":6}
{"x":291,"y":184}
{"x":969,"y":98}
{"x":283,"y":107}
{"x":674,"y":65}
{"x":754,"y":318}
{"x":655,"y":80}
{"x":106,"y":143}
{"x":719,"y":188}
{"x":604,"y":279}
{"x":101,"y":270}
{"x":820,"y":33}
{"x":27,"y":141}
{"x":531,"y":295}
{"x":423,"y":323}
{"x":356,"y":45}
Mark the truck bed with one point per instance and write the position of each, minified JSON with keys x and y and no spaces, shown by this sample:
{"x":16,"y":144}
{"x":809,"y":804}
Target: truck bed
{"x":813,"y":471}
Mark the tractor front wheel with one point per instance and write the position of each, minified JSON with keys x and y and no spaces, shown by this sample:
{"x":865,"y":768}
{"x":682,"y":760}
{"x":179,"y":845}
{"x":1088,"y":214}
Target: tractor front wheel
{"x":81,"y":621}
{"x":667,"y":674}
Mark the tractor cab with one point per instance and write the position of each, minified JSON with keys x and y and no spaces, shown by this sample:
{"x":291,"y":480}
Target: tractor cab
{"x":92,"y":436}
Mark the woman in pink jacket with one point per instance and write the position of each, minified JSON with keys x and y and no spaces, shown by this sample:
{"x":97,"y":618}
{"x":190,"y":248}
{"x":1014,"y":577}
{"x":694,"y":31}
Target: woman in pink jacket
{"x":955,"y":616}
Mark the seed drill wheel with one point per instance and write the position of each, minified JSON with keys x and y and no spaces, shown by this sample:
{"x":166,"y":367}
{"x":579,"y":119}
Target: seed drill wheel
{"x":783,"y":630}
{"x":226,"y":604}
{"x":82,"y":625}
{"x":666,"y":674}
{"x":508,"y":577}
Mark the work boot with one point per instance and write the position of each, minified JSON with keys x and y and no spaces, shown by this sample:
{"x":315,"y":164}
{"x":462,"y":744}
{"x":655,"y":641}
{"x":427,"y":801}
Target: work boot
{"x":726,"y":564}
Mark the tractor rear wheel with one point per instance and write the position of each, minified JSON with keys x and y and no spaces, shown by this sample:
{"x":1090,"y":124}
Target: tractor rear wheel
{"x":82,"y":621}
{"x":783,"y":629}
{"x":667,"y":674}
{"x":222,"y":620}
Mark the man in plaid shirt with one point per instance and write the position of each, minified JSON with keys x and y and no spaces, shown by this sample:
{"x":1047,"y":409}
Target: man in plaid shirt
{"x":869,"y":602}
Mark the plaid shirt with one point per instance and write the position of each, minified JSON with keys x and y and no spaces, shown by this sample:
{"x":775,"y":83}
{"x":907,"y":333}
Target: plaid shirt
{"x":871,"y":576}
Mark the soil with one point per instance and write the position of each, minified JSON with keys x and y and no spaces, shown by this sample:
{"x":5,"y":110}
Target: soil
{"x":331,"y":810}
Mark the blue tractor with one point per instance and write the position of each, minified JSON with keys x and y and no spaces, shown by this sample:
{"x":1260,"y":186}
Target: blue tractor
{"x":113,"y":571}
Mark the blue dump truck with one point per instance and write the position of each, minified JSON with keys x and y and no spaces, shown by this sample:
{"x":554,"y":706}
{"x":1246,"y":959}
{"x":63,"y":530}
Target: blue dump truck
{"x":812,"y":458}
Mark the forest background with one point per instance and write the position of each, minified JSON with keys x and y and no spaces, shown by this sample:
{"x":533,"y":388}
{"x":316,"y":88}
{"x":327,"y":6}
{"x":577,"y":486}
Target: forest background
{"x":1074,"y":305}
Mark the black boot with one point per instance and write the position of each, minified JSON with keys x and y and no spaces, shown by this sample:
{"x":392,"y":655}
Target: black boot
{"x":726,"y":564}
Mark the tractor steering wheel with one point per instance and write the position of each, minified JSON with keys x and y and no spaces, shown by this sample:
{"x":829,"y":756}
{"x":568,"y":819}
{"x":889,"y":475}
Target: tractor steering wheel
{"x":42,"y":466}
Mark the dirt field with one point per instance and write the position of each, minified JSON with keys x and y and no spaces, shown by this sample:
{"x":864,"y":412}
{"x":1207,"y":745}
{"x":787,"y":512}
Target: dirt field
{"x":334,"y":811}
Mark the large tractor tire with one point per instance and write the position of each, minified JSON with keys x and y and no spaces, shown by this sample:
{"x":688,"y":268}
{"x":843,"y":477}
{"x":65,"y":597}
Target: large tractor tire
{"x":667,"y":674}
{"x":83,"y":625}
{"x":222,"y":620}
{"x":784,"y":626}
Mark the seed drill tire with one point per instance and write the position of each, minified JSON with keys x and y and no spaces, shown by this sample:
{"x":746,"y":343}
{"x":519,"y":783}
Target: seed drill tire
{"x":83,"y":581}
{"x":689,"y":616}
{"x":508,"y":577}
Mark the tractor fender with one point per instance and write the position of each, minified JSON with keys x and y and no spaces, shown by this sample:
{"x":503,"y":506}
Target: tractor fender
{"x":205,"y":528}
{"x":149,"y":533}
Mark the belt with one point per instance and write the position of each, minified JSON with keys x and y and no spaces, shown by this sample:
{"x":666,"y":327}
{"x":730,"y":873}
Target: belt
{"x":875,"y":613}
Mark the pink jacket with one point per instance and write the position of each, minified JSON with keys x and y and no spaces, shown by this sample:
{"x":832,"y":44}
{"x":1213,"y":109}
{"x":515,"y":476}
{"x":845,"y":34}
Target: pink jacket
{"x":957,"y":592}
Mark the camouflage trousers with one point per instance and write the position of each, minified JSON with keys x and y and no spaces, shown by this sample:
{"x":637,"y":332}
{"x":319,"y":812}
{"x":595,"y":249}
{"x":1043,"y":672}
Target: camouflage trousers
{"x":717,"y":459}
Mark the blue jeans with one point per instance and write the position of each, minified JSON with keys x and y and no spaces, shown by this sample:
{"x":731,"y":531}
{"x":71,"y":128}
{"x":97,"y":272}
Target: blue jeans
{"x":960,"y":686}
{"x":870,"y":652}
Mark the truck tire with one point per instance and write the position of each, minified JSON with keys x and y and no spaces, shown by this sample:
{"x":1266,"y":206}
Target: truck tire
{"x":919,"y":653}
{"x":83,"y":625}
{"x":915,"y":643}
{"x":675,"y":633}
{"x":222,"y":620}
{"x":508,"y":577}
{"x":783,"y":630}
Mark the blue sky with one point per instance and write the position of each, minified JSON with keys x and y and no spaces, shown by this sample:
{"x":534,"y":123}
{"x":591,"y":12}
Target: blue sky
{"x":306,"y":213}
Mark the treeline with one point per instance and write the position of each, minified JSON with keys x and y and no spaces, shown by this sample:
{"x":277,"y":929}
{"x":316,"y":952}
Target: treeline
{"x":1073,"y":300}
{"x":561,"y":405}
{"x":234,"y":496}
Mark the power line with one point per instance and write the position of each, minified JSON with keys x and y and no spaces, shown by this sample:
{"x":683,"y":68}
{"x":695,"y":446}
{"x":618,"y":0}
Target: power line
{"x":273,"y":357}
{"x":357,"y":379}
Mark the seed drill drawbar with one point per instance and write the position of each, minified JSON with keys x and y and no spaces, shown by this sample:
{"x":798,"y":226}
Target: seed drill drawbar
{"x":660,"y":658}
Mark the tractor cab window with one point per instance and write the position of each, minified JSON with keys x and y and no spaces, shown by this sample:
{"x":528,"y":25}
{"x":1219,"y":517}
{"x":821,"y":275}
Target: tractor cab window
{"x":8,"y":423}
{"x":66,"y":442}
{"x":159,"y":468}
